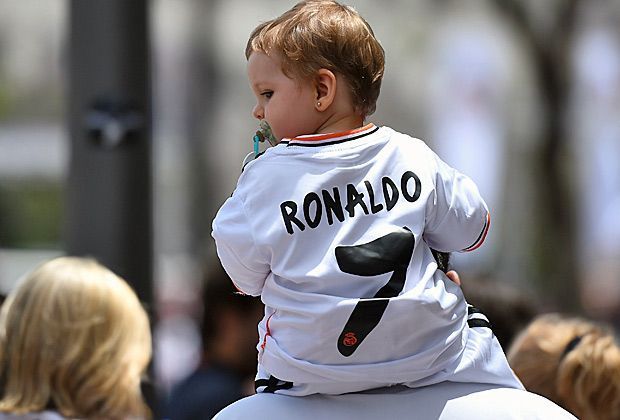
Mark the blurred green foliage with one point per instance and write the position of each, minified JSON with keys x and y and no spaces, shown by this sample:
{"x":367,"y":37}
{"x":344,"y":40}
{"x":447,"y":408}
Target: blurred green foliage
{"x":31,"y":214}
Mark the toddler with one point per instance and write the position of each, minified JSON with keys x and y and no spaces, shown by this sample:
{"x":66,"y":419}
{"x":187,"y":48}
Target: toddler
{"x":333,"y":226}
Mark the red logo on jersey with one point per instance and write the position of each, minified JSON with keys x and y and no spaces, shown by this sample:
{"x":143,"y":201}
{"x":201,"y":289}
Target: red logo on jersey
{"x":349,"y":339}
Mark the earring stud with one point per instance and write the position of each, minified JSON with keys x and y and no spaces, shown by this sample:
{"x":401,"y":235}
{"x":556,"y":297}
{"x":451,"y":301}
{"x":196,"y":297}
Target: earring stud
{"x":318,"y":104}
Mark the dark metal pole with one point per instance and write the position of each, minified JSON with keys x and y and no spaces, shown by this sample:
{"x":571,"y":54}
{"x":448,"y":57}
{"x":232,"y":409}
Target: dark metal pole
{"x":109,"y":211}
{"x":109,"y":197}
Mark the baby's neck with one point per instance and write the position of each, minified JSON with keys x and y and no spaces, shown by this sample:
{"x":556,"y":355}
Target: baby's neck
{"x":341,"y":123}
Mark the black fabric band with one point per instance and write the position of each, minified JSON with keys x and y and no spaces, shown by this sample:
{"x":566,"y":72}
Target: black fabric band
{"x":272,"y":384}
{"x":571,"y":346}
{"x":477,"y":322}
{"x":473,"y":310}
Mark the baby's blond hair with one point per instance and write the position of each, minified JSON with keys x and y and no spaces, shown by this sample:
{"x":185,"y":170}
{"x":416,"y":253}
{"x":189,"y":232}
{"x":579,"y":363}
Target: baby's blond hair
{"x":571,"y":361}
{"x":74,"y":336}
{"x":318,"y":34}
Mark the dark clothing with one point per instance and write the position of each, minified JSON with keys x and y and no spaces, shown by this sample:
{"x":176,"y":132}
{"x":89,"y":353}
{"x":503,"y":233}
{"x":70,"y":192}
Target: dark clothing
{"x":203,"y":393}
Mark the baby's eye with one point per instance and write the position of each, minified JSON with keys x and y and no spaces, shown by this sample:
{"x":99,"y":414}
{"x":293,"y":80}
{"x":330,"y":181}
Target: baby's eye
{"x":267,"y":94}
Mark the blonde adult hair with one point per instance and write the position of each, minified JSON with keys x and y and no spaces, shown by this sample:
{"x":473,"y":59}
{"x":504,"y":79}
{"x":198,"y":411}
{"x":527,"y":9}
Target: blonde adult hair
{"x":75,"y":337}
{"x":571,"y":361}
{"x":318,"y":34}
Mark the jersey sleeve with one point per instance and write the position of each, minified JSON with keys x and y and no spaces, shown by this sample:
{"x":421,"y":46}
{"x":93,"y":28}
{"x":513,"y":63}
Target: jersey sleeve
{"x":457,"y":218}
{"x":237,"y":250}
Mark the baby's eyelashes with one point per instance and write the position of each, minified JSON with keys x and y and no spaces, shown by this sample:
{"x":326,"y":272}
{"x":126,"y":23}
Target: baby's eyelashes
{"x":267,"y":94}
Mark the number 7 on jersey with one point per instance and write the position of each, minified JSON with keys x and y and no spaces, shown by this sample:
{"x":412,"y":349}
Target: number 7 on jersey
{"x":389,"y":253}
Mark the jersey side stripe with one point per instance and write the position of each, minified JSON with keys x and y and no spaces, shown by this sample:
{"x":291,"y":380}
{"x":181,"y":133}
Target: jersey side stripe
{"x":482,"y":237}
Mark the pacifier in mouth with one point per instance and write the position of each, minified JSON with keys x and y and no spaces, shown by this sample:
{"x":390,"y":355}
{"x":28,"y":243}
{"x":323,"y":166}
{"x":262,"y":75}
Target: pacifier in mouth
{"x":264,"y":133}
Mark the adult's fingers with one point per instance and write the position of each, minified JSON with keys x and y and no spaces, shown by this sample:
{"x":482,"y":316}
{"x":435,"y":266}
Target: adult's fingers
{"x":454,"y":276}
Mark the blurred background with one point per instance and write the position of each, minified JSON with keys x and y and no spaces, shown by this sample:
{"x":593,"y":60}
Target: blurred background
{"x":521,"y":95}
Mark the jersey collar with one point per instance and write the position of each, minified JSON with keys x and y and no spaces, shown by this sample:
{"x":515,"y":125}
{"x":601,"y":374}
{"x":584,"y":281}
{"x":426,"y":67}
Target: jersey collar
{"x":314,"y":140}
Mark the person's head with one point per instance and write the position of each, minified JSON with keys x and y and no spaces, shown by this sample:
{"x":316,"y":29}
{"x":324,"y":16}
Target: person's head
{"x":571,"y":361}
{"x":73,"y":336}
{"x":316,"y":62}
{"x":229,"y":323}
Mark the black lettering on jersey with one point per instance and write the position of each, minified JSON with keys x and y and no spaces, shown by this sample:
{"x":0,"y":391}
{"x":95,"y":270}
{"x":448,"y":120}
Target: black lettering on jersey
{"x":403,"y":186}
{"x":374,"y":208}
{"x":333,"y":206}
{"x":314,"y":203}
{"x":390,"y":198}
{"x":289,"y":216}
{"x":354,"y":198}
{"x":310,"y":198}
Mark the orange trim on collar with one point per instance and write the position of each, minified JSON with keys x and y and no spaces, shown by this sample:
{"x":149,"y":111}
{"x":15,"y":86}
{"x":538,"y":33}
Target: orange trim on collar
{"x":318,"y":137}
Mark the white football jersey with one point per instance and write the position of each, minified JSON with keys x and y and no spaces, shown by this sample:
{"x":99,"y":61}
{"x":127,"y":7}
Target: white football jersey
{"x":334,"y":232}
{"x":445,"y":401}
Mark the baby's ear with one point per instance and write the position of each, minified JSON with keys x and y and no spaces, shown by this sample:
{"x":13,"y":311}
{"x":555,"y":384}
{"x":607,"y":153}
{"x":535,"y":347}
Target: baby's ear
{"x":325,"y":82}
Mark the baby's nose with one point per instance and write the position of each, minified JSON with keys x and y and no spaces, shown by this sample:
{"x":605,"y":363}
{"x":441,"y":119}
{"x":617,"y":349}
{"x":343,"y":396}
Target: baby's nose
{"x":257,"y":112}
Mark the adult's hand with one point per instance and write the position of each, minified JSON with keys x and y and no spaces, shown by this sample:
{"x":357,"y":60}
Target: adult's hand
{"x":454,"y":276}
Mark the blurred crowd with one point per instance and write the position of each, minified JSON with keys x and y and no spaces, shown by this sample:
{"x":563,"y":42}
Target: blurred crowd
{"x":75,"y":343}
